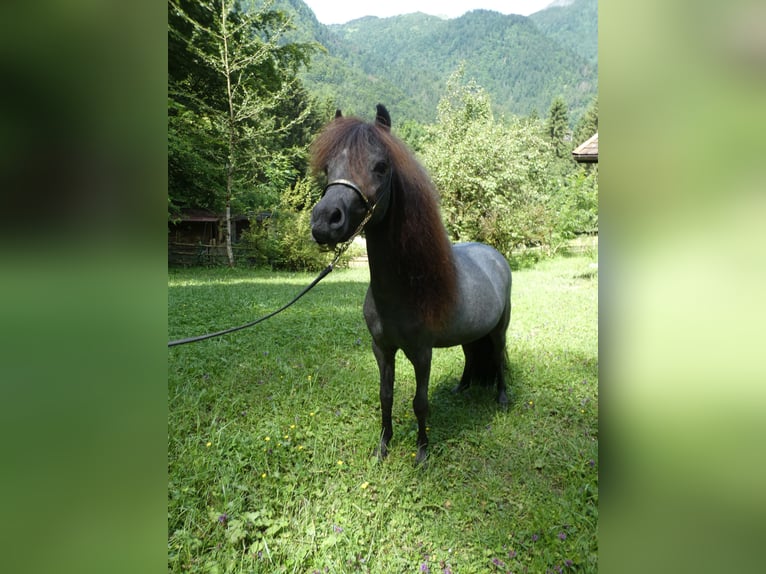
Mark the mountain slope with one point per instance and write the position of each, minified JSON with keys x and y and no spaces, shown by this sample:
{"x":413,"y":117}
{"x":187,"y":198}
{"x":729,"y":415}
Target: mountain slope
{"x":573,"y":26}
{"x":404,"y":61}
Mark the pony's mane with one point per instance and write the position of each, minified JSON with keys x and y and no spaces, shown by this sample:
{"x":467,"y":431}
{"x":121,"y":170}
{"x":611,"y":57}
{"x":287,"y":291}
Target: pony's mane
{"x":416,"y":234}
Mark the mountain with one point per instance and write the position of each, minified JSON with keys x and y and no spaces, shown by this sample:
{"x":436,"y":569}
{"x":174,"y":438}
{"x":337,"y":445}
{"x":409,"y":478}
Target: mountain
{"x":573,"y":24}
{"x":405,"y":61}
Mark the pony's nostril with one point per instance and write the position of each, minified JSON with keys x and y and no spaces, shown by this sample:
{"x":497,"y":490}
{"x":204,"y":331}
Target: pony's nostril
{"x":336,"y":219}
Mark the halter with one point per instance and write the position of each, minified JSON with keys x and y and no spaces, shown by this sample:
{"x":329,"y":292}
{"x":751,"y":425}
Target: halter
{"x":369,"y":205}
{"x":351,"y":185}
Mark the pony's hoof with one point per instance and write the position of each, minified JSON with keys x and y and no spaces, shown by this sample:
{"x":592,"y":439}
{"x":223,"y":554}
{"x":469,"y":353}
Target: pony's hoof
{"x":502,"y":400}
{"x":460,"y":388}
{"x":380,"y":452}
{"x":421,"y":459}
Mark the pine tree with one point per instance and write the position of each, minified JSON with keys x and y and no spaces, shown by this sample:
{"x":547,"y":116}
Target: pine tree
{"x":557,"y":127}
{"x":588,"y":124}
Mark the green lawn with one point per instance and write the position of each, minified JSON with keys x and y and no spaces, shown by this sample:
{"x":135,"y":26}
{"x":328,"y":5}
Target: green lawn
{"x":271,"y":433}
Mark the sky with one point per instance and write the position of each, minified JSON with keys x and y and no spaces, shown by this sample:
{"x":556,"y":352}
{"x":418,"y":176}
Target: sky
{"x":338,"y":12}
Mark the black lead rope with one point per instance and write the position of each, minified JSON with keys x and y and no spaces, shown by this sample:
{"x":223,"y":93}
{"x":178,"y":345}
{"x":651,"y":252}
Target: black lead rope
{"x":326,"y":271}
{"x":321,"y":276}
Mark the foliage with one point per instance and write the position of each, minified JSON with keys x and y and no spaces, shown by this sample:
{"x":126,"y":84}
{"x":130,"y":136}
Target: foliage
{"x":574,"y":205}
{"x":404,"y":61}
{"x":507,"y":183}
{"x":271,"y":431}
{"x":490,"y":174}
{"x":574,"y":26}
{"x":238,"y":119}
{"x":283,"y":239}
{"x":557,"y":128}
{"x":195,"y":178}
{"x":587,"y":125}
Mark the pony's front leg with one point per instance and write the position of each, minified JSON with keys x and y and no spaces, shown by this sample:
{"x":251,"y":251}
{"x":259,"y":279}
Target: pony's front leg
{"x":386,"y":362}
{"x":421,"y":361}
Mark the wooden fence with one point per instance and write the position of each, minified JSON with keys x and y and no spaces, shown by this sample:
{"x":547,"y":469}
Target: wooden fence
{"x":200,"y":254}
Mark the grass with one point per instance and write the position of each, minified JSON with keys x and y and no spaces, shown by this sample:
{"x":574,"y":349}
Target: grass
{"x":271,"y":433}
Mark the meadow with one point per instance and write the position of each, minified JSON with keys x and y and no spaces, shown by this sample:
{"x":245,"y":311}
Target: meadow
{"x":271,"y":432}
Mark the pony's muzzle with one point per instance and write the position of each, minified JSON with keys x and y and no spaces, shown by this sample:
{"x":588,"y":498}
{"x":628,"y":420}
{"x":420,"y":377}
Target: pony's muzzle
{"x":328,"y":224}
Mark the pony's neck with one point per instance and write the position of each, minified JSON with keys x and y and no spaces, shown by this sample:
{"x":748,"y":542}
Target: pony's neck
{"x":384,"y":258}
{"x":412,"y":270}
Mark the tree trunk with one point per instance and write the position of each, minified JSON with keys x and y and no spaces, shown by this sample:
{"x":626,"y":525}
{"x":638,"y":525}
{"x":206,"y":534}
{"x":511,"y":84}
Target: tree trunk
{"x":229,"y":252}
{"x":232,"y":127}
{"x":227,"y":226}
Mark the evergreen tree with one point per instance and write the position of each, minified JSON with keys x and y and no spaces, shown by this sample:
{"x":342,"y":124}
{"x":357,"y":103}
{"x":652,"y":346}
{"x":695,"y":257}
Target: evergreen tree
{"x":588,"y":124}
{"x":229,"y":74}
{"x":557,"y":127}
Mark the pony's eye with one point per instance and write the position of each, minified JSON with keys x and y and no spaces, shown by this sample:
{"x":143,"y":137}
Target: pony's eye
{"x":380,"y":168}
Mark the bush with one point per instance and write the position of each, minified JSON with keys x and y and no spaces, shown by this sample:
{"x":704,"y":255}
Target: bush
{"x":573,"y":206}
{"x":492,"y":182}
{"x":502,"y":183}
{"x":283,"y":241}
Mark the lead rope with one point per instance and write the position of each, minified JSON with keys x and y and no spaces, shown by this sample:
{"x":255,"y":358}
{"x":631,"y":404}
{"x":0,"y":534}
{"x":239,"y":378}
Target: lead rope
{"x":339,"y":250}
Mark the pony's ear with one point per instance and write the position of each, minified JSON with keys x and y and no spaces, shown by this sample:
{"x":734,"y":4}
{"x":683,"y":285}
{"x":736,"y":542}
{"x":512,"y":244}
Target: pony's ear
{"x":338,"y":114}
{"x":382,"y":118}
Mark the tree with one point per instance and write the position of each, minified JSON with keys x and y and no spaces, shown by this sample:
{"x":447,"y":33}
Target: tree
{"x":588,"y":124}
{"x":557,"y":127}
{"x":229,"y":73}
{"x":491,"y":175}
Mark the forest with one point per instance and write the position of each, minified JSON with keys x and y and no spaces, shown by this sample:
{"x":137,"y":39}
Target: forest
{"x":522,"y":62}
{"x":492,"y":109}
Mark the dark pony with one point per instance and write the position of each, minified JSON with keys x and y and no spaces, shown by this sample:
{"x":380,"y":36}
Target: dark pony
{"x":414,"y":231}
{"x":424,"y":292}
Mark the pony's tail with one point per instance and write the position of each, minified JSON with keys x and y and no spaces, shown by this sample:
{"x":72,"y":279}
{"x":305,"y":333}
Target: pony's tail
{"x":486,"y":365}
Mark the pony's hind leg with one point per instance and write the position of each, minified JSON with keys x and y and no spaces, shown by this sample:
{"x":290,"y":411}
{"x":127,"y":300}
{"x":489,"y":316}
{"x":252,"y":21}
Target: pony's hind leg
{"x":469,"y":350}
{"x":485,"y":363}
{"x":480,"y":363}
{"x":500,"y":357}
{"x":501,"y":361}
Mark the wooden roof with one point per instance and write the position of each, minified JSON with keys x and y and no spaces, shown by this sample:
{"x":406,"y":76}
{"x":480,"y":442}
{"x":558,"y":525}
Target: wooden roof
{"x":588,"y":150}
{"x":198,"y":215}
{"x":203,"y":215}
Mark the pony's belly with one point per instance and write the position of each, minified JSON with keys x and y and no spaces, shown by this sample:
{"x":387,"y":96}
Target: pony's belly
{"x":463,"y":333}
{"x":402,"y":330}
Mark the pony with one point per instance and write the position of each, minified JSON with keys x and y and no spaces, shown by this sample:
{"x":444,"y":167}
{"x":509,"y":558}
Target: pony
{"x":424,"y":292}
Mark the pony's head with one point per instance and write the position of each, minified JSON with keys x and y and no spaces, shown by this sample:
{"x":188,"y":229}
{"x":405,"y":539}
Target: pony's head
{"x":376,"y":183}
{"x":355,"y":158}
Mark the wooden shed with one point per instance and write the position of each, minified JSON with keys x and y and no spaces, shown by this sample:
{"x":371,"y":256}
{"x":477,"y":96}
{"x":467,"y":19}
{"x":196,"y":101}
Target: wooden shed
{"x":197,"y":237}
{"x":201,"y":226}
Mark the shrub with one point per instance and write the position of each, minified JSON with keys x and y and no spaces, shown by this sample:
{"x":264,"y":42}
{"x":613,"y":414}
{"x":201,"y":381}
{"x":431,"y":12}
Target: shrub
{"x":283,"y":240}
{"x":491,"y":178}
{"x":501,"y":183}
